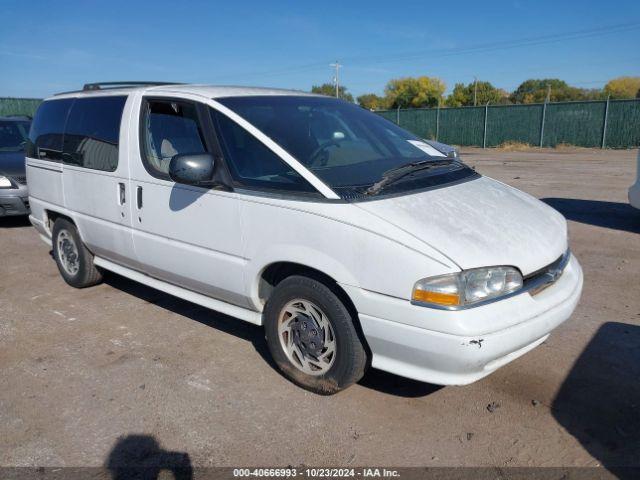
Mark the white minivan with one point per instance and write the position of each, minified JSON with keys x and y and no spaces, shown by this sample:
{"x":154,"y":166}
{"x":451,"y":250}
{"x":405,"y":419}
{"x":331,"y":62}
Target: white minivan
{"x":353,"y":241}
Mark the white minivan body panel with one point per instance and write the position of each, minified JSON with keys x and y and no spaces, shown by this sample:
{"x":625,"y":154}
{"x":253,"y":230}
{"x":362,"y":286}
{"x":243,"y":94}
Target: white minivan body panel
{"x":103,"y":222}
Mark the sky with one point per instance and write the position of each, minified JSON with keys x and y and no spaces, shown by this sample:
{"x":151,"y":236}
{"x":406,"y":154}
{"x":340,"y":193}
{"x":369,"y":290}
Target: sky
{"x":48,"y":47}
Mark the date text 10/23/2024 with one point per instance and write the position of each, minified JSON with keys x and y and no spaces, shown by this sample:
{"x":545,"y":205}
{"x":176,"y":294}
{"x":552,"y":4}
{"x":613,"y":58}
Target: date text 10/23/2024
{"x":316,"y":472}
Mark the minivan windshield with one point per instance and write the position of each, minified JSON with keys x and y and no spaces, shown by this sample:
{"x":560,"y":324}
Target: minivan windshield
{"x":349,"y":148}
{"x":13,"y":135}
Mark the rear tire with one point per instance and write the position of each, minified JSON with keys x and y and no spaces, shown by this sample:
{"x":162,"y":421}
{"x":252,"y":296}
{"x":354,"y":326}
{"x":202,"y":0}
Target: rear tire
{"x":74,"y":261}
{"x":312,"y":337}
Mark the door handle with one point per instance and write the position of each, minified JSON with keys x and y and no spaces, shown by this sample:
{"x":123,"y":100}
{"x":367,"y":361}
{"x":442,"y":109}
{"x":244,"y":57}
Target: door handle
{"x":122,"y":198}
{"x":139,"y":197}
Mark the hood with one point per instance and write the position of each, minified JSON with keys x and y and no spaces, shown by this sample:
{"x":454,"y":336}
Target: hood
{"x":479,"y":223}
{"x":12,"y":164}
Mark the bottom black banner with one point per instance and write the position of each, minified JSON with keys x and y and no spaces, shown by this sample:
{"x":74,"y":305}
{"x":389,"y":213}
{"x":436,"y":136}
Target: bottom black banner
{"x":186,"y":472}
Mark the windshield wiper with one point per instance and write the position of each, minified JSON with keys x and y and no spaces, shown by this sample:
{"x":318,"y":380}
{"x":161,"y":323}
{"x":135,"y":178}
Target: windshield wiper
{"x":395,"y":174}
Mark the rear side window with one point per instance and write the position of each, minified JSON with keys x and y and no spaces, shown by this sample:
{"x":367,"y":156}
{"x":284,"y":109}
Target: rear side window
{"x":47,"y":130}
{"x":93,"y":131}
{"x":253,"y":164}
{"x":168,"y":128}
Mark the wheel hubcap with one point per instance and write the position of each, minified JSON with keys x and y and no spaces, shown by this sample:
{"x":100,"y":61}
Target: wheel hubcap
{"x":68,"y":252}
{"x":307,"y":337}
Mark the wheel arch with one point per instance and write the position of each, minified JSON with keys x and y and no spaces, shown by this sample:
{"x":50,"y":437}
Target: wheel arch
{"x":53,"y":215}
{"x":274,"y":273}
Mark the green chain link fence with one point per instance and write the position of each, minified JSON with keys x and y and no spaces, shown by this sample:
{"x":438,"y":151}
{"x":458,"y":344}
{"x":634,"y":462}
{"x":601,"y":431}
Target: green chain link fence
{"x":612,"y":124}
{"x":19,"y":106}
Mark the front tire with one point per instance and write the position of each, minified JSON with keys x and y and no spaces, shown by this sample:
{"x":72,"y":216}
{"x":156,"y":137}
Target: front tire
{"x":312,"y":336}
{"x":74,"y":261}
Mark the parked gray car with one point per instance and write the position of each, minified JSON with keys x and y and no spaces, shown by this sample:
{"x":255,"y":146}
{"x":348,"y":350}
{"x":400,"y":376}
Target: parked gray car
{"x":14,"y":197}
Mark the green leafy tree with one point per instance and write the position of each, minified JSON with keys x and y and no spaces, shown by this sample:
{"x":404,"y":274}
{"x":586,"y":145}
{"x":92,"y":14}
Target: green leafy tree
{"x":459,"y":97}
{"x":414,"y":92}
{"x":462,"y":94}
{"x":371,"y":101}
{"x":623,"y":87}
{"x":329,"y":90}
{"x":535,"y":91}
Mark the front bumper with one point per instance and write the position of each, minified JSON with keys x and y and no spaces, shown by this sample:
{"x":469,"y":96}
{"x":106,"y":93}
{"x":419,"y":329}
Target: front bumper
{"x":460,"y":347}
{"x":14,"y":201}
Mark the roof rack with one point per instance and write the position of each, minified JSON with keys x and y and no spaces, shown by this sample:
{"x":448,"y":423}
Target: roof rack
{"x":103,"y":85}
{"x":89,"y":87}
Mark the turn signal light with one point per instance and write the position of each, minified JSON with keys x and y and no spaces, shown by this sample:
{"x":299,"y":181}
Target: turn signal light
{"x":436,"y":297}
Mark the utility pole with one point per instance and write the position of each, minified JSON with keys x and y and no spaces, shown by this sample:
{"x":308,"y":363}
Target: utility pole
{"x":548,"y":93}
{"x":604,"y":125}
{"x":336,"y":78}
{"x":484,"y":135}
{"x":475,"y":90}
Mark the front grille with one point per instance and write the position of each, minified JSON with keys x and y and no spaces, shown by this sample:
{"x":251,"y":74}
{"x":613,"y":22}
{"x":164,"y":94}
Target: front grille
{"x":547,"y":276}
{"x":22,"y":180}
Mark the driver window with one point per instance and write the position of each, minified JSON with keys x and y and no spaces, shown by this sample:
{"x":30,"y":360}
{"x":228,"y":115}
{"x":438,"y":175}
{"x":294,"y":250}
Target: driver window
{"x":252,"y":164}
{"x":169,"y":128}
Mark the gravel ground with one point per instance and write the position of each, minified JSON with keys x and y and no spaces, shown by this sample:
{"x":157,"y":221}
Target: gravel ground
{"x":88,"y":377}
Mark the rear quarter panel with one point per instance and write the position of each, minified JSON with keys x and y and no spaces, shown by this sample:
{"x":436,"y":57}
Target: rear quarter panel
{"x":45,"y":188}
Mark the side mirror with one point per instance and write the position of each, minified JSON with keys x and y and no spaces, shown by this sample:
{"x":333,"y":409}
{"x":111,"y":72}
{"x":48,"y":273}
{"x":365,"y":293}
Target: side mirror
{"x":192,"y":168}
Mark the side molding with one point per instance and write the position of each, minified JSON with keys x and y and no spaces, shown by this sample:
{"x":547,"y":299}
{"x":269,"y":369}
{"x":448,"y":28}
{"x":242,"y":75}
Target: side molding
{"x":197,"y":298}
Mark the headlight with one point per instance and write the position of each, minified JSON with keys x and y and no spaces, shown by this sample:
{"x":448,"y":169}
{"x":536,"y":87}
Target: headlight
{"x":5,"y":182}
{"x":468,"y":287}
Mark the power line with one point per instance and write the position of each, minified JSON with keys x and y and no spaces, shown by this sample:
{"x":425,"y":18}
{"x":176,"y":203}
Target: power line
{"x":270,"y":73}
{"x":439,"y":53}
{"x":500,"y":45}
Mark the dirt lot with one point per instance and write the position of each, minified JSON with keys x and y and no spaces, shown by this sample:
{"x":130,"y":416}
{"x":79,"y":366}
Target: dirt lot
{"x":90,"y":376}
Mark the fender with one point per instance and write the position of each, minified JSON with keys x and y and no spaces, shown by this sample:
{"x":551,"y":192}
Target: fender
{"x":293,"y":253}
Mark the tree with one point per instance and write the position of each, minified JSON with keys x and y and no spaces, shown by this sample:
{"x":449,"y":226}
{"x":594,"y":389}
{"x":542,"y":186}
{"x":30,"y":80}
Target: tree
{"x":623,"y":87}
{"x":535,"y":91}
{"x":371,"y":101}
{"x":329,"y":90}
{"x":414,"y":92}
{"x":638,"y":94}
{"x":462,"y":94}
